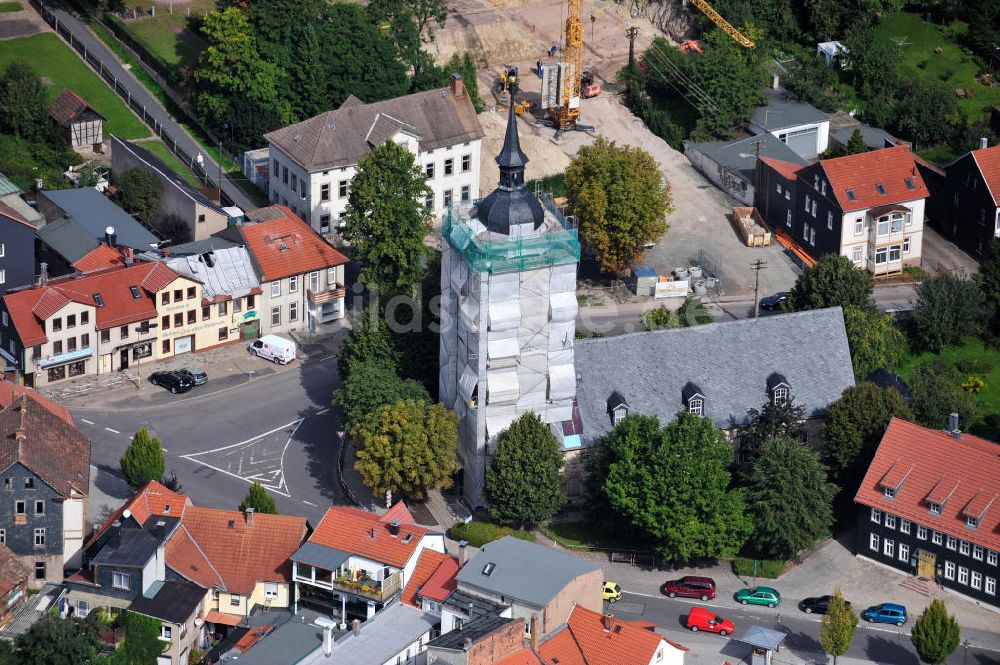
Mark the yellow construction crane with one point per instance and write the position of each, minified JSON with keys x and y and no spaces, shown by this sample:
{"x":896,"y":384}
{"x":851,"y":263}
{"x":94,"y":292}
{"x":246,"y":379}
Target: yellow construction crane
{"x":713,"y":15}
{"x":565,"y":115}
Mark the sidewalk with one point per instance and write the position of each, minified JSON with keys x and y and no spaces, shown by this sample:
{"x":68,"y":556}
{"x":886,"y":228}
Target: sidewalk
{"x":226,"y":366}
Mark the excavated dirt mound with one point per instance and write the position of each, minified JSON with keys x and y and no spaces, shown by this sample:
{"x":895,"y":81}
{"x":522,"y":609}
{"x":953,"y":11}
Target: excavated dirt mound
{"x":545,"y":157}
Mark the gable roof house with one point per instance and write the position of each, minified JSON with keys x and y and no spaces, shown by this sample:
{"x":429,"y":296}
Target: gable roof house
{"x":868,"y":207}
{"x":358,"y":559}
{"x":45,"y":466}
{"x":801,"y":126}
{"x":178,"y":199}
{"x":312,"y":162}
{"x":929,"y":506}
{"x":536,"y":582}
{"x":708,"y":370}
{"x":964,"y":203}
{"x":732,"y":165}
{"x":300,"y":273}
{"x":78,"y":121}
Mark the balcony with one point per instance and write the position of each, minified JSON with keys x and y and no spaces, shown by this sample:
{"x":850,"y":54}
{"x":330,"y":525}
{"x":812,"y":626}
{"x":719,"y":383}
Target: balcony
{"x":377,"y":590}
{"x":319,"y":297}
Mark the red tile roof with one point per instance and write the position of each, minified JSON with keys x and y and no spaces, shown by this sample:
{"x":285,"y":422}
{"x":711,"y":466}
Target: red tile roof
{"x":283,"y":245}
{"x":100,"y":258}
{"x":151,"y":499}
{"x":965,"y":471}
{"x":585,"y":641}
{"x":69,"y":106}
{"x":241,"y":555}
{"x":442,"y":582}
{"x":786,"y":170}
{"x":861,"y":173}
{"x":988,"y":160}
{"x":52,"y":448}
{"x":10,"y":391}
{"x":427,"y":564}
{"x":30,"y":307}
{"x":223,"y":618}
{"x":367,"y":535}
{"x":523,"y":657}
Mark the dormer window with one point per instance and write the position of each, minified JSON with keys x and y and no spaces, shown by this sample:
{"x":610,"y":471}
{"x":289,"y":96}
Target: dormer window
{"x":934,"y":508}
{"x":696,"y":405}
{"x":780,"y":395}
{"x":619,"y":415}
{"x":779,"y":388}
{"x":693,"y":399}
{"x":971,"y":522}
{"x":889,"y":492}
{"x":618,"y":408}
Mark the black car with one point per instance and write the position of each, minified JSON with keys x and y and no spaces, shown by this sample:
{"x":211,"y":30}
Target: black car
{"x":819,"y":605}
{"x":175,"y":382}
{"x":773,"y":303}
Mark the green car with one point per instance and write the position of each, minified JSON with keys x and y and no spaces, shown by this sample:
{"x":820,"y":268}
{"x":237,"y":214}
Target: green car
{"x":760,"y":595}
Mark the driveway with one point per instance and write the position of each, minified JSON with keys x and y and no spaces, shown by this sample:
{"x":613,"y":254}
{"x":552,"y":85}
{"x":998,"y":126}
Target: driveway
{"x":940,"y":255}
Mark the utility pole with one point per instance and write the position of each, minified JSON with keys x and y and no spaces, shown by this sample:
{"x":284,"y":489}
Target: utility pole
{"x":631,"y":33}
{"x":221,"y":157}
{"x":757,"y":266}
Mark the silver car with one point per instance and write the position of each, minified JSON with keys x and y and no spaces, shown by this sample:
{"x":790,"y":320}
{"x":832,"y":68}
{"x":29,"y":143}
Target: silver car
{"x":196,"y":374}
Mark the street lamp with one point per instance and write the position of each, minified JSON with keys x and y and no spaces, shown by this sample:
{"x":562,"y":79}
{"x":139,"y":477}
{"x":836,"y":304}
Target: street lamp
{"x":138,"y":363}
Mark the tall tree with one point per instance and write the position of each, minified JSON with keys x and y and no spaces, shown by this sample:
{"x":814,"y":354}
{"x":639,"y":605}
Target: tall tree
{"x":370,"y":385}
{"x":369,"y":342}
{"x":23,"y":104}
{"x":672,"y":485}
{"x":949,"y":309}
{"x":936,"y":633}
{"x":732,"y":76}
{"x":258,"y":498}
{"x":386,"y":220}
{"x":774,"y":419}
{"x":857,"y":144}
{"x":788,"y":498}
{"x":836,"y":632}
{"x":927,"y":112}
{"x":620,"y":200}
{"x":143,"y":459}
{"x":139,"y":193}
{"x":412,"y":26}
{"x":231,"y":71}
{"x":988,"y":280}
{"x":523,"y":484}
{"x":406,"y":448}
{"x":833,"y":281}
{"x":855,"y":424}
{"x":875,"y":341}
{"x":936,"y":391}
{"x":56,"y":641}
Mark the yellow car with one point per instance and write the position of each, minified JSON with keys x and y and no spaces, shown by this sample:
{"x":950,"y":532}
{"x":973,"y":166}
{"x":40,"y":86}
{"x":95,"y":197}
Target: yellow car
{"x":612,"y":592}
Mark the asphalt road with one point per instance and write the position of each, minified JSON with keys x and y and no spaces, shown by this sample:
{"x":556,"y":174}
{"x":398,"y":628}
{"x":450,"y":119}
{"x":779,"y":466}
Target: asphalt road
{"x":878,"y":643}
{"x":278,"y":429}
{"x":138,"y":92}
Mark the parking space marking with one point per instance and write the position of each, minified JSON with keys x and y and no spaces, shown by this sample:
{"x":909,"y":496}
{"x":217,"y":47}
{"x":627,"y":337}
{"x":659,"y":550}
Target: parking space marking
{"x":309,"y":503}
{"x":113,"y":431}
{"x":86,"y":421}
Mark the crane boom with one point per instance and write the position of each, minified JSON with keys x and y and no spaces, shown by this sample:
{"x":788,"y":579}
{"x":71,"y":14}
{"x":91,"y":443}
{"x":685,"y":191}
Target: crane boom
{"x":566,"y":114}
{"x":726,"y":26}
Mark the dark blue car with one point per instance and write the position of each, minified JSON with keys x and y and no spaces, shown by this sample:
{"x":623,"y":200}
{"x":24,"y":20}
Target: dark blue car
{"x":885,"y":613}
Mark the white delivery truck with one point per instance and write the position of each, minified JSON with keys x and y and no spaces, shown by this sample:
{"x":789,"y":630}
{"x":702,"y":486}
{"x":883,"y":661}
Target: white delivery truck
{"x":274,"y":348}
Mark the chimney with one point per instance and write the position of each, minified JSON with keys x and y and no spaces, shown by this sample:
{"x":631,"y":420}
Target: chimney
{"x":467,"y":644}
{"x":457,"y":85}
{"x":328,"y":640}
{"x":534,"y":633}
{"x":110,"y":237}
{"x":775,"y":82}
{"x":953,"y":426}
{"x":394,"y":528}
{"x":127,"y":251}
{"x":43,"y":273}
{"x":249,"y":514}
{"x":463,"y":552}
{"x":607,"y":622}
{"x":356,"y":627}
{"x":984,"y":143}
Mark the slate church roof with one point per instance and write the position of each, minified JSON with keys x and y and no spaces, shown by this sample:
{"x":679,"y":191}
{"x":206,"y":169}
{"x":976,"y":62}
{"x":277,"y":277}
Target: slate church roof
{"x":731,"y":364}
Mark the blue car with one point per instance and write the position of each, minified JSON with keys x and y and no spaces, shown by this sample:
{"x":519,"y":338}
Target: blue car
{"x":885,"y":613}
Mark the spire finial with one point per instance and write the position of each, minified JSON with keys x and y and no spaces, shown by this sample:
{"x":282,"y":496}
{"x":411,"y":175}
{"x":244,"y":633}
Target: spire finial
{"x":511,"y":156}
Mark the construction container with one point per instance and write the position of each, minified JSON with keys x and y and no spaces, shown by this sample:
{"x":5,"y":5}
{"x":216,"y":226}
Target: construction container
{"x":643,"y":281}
{"x":751,"y":227}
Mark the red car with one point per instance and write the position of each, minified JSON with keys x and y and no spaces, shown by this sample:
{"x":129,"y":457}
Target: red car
{"x":701,"y":619}
{"x":690,"y":586}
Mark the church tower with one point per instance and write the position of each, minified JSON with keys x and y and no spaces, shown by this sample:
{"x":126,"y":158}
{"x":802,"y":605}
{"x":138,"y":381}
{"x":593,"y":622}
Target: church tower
{"x":508,"y":286}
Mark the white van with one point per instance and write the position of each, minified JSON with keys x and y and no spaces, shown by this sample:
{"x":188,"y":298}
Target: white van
{"x":274,"y":348}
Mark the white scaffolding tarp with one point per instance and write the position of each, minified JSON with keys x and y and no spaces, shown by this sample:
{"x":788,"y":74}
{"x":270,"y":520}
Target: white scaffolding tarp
{"x":467,"y":382}
{"x":562,"y":382}
{"x":563,"y":306}
{"x":504,"y":315}
{"x":562,"y":335}
{"x":502,"y":348}
{"x":498,"y":423}
{"x":470,"y":310}
{"x":502,"y":385}
{"x":563,"y":278}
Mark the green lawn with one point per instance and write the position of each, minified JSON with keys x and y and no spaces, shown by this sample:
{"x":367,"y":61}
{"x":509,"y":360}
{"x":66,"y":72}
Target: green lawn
{"x":10,"y":7}
{"x":167,"y":37}
{"x":160,"y":149}
{"x":989,"y":398}
{"x":584,"y":535}
{"x":952,"y":66}
{"x":49,"y":57}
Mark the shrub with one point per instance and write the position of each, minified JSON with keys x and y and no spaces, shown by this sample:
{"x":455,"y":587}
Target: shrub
{"x":922,"y":64}
{"x":973,"y":366}
{"x":973,"y":384}
{"x":478,"y":534}
{"x":767,"y":568}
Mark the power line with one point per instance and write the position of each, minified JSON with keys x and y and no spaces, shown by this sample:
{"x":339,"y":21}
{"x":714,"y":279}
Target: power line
{"x":684,"y":79}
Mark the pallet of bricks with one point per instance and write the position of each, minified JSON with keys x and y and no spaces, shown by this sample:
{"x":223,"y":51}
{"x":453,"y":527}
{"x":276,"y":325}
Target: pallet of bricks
{"x":750,"y":226}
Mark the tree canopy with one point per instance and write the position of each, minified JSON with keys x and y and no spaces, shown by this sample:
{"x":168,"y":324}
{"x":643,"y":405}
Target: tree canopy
{"x":935,"y":634}
{"x":936,"y":392}
{"x":56,"y":641}
{"x":386,"y":219}
{"x":23,"y":103}
{"x":949,"y":309}
{"x":875,"y":341}
{"x":836,"y":632}
{"x":258,"y":498}
{"x":833,"y":281}
{"x":855,"y":424}
{"x":143,"y":459}
{"x":139,"y":193}
{"x":672,"y":486}
{"x":788,"y":498}
{"x":988,"y":280}
{"x":774,"y":419}
{"x":369,"y":342}
{"x":523,"y":484}
{"x":620,"y":200}
{"x":371,"y":384}
{"x":406,"y":448}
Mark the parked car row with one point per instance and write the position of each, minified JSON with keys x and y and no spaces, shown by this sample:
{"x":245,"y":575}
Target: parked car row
{"x":179,"y":380}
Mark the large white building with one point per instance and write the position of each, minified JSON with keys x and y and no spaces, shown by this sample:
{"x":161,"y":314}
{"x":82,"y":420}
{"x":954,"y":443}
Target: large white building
{"x":508,"y":282}
{"x":311,"y":163}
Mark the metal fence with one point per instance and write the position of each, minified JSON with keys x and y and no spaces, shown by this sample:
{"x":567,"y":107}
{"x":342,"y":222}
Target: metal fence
{"x":122,"y":91}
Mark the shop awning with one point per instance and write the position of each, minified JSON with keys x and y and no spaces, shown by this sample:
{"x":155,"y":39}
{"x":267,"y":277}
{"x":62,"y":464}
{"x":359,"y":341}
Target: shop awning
{"x":223,"y":618}
{"x":64,"y":358}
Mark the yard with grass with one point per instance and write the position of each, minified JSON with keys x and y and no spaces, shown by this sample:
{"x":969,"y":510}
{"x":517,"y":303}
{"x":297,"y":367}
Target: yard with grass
{"x":918,"y":40}
{"x":160,"y":149}
{"x":49,"y":57}
{"x":10,"y":7}
{"x":167,"y":37}
{"x":973,"y":349}
{"x":586,"y":536}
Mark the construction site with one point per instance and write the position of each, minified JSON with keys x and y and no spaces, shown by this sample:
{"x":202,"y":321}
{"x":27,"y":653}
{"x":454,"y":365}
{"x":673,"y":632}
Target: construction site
{"x":561,"y":60}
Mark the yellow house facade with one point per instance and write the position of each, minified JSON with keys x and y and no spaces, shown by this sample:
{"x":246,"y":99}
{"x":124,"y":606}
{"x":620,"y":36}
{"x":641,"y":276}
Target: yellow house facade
{"x":190,"y":322}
